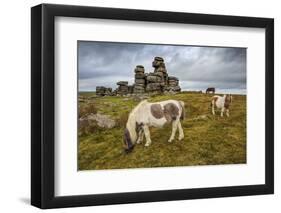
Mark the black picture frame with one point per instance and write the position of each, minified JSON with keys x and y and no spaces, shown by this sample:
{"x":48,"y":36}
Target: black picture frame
{"x":43,"y":102}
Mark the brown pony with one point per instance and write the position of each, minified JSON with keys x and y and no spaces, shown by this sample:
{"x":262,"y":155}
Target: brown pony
{"x":210,"y":89}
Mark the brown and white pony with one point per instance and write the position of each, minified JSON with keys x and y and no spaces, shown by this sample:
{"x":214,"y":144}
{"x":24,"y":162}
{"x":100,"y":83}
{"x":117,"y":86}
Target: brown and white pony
{"x":221,"y":102}
{"x":146,"y":115}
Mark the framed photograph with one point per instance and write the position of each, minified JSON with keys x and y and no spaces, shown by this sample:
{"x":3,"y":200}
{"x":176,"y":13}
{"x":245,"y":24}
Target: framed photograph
{"x":136,"y":106}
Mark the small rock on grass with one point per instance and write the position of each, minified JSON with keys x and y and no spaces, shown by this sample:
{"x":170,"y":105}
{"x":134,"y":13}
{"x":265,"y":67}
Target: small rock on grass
{"x":103,"y":121}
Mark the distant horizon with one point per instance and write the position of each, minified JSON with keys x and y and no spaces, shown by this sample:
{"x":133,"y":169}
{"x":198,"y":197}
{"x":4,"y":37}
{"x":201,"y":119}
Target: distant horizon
{"x":218,"y":91}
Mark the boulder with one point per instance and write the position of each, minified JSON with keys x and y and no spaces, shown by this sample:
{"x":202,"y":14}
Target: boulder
{"x":171,"y":78}
{"x":103,"y":121}
{"x":153,"y":78}
{"x":140,"y":81}
{"x":123,"y":89}
{"x":173,"y":81}
{"x":103,"y":91}
{"x":161,"y":69}
{"x":139,"y":88}
{"x":122,"y":83}
{"x":158,"y":61}
{"x":139,"y":69}
{"x":140,"y":75}
{"x":153,"y":87}
{"x":157,"y":58}
{"x":173,"y":88}
{"x":131,"y":89}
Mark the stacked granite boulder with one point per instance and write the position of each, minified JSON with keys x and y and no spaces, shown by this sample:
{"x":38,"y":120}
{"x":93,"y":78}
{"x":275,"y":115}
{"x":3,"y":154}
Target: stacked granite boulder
{"x":173,"y":84}
{"x":154,"y":83}
{"x":123,"y":88}
{"x":130,"y":89}
{"x":103,"y":91}
{"x":157,"y":81}
{"x":140,"y":80}
{"x":160,"y":69}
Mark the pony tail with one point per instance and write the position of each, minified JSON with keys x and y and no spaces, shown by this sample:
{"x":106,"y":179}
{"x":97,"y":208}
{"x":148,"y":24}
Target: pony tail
{"x":182,"y":110}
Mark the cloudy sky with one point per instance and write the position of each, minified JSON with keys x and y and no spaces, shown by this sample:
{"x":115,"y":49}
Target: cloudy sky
{"x":105,"y":63}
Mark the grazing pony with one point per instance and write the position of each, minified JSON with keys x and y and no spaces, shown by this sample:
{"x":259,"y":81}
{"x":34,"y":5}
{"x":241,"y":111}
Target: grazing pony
{"x":222,"y":103}
{"x":146,"y":115}
{"x":211,"y":89}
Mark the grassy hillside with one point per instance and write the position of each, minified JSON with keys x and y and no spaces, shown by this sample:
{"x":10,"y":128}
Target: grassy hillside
{"x":208,"y":139}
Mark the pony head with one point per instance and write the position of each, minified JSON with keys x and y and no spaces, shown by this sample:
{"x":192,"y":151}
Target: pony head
{"x":228,"y":98}
{"x":130,"y":133}
{"x":128,"y":144}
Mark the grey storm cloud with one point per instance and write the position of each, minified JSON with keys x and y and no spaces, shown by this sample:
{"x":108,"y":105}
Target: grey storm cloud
{"x":197,"y":67}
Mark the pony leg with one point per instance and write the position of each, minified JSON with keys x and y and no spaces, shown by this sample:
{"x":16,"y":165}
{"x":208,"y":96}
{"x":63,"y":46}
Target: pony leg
{"x":222,"y":111}
{"x":213,"y":108}
{"x":181,"y":135}
{"x":174,"y":129}
{"x":147,"y":135}
{"x":227,"y":112}
{"x":140,"y":138}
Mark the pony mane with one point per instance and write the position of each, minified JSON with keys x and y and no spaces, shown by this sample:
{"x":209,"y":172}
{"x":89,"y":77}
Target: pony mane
{"x":140,"y":104}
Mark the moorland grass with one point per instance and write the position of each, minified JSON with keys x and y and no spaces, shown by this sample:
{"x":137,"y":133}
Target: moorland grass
{"x":209,"y":140}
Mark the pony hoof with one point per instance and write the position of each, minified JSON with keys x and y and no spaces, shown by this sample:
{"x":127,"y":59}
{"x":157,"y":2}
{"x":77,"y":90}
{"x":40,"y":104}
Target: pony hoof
{"x":180,"y":138}
{"x":170,"y":141}
{"x":147,"y":144}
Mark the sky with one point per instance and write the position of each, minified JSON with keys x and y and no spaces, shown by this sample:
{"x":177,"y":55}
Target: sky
{"x":197,"y":67}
